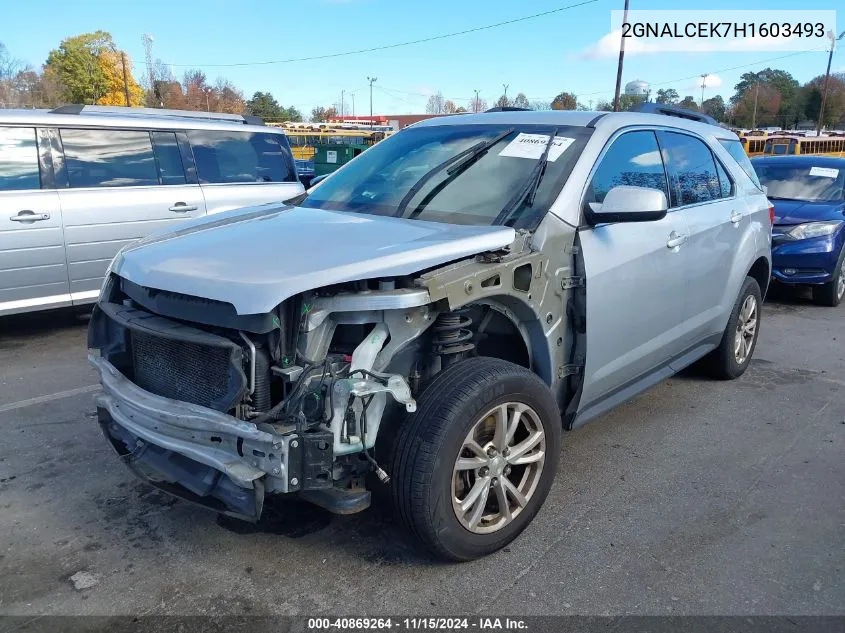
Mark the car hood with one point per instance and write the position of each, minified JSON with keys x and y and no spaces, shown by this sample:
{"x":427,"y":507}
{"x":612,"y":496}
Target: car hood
{"x":797,"y":211}
{"x":256,"y":258}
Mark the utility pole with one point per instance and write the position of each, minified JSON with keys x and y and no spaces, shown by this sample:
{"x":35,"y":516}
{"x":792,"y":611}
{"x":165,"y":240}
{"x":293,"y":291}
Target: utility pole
{"x":353,"y":104}
{"x":372,"y":80}
{"x":125,"y":80}
{"x":621,"y":60}
{"x":756,"y":93}
{"x":148,"y":59}
{"x":833,"y":41}
{"x":475,"y":103}
{"x":505,"y":86}
{"x":342,"y":92}
{"x":703,"y":82}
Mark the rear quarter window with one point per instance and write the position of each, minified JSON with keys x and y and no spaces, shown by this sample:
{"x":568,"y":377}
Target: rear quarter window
{"x":224,"y":156}
{"x":735,"y":149}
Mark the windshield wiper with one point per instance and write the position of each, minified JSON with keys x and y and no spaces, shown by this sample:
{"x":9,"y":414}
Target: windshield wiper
{"x":529,"y":191}
{"x":456,"y":164}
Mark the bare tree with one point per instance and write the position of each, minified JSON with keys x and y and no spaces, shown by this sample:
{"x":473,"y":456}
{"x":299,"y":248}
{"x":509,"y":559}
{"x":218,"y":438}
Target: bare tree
{"x":478,"y":104}
{"x":449,"y":107}
{"x":540,"y":105}
{"x":436,"y":104}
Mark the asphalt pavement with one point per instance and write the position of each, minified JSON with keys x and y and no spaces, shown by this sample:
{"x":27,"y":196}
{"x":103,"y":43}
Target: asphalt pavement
{"x":698,"y":497}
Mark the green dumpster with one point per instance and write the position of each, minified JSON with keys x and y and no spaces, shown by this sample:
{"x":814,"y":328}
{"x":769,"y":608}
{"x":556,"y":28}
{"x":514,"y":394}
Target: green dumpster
{"x":330,"y":156}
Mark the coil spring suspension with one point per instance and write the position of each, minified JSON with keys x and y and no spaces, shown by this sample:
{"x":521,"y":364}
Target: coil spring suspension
{"x":452,"y":336}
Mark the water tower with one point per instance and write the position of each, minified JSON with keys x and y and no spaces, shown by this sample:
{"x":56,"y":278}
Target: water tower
{"x":638,"y":88}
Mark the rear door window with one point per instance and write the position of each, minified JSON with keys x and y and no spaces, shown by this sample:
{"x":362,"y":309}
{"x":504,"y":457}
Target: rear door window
{"x":109,"y":158}
{"x":168,"y":159}
{"x":224,"y":156}
{"x":18,"y":159}
{"x":693,"y":178}
{"x":737,"y":152}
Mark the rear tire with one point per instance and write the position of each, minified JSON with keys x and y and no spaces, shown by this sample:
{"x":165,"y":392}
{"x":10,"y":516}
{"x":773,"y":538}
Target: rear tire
{"x":731,"y":358}
{"x":831,"y":293}
{"x":476,"y":461}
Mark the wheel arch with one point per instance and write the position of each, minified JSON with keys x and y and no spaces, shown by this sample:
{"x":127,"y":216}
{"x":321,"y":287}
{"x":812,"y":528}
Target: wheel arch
{"x":761,"y":272}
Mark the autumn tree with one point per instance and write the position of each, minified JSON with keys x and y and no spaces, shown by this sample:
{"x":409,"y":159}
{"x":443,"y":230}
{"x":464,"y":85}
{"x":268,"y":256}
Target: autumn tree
{"x":564,"y":101}
{"x":320,"y":114}
{"x":758,"y":105}
{"x":112,"y":63}
{"x":449,"y":107}
{"x":436,"y":104}
{"x":668,"y":96}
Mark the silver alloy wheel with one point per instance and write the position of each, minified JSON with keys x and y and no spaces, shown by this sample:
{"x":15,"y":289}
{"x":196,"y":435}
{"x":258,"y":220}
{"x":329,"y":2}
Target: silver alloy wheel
{"x":746,"y":328}
{"x":840,"y":280}
{"x":498,"y":467}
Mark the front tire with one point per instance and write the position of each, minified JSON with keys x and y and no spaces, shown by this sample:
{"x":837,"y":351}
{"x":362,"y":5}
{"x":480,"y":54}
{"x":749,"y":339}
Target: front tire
{"x":831,"y":293}
{"x":476,"y":461}
{"x":731,"y":358}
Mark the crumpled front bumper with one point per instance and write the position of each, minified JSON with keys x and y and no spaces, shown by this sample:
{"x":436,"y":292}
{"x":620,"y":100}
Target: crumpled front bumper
{"x":193,"y":452}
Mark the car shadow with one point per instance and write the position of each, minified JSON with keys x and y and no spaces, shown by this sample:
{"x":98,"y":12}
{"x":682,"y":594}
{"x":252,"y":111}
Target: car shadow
{"x":48,"y":321}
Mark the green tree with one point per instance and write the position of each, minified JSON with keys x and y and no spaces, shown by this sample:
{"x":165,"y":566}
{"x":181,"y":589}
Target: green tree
{"x":789,"y":100}
{"x":264,"y":105}
{"x":715,"y":107}
{"x":521,"y":101}
{"x":564,"y":101}
{"x":834,"y":105}
{"x":688,"y":103}
{"x":76,"y":64}
{"x":669,"y":96}
{"x":502,"y":102}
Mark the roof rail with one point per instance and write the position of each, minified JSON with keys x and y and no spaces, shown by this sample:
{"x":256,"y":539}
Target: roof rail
{"x":670,"y":110}
{"x":508,"y":109}
{"x":221,"y":117}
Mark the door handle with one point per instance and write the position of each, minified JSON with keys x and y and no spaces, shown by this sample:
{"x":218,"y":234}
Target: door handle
{"x":736,"y":216}
{"x":676,"y":239}
{"x":181,"y":207}
{"x":29,"y":216}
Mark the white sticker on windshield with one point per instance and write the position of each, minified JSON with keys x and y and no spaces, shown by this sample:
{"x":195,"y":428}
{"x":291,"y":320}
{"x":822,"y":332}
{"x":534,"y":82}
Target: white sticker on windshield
{"x":533,"y":145}
{"x":824,"y":172}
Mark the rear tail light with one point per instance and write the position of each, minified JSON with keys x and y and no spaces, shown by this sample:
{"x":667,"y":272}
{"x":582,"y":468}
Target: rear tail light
{"x":772,"y":214}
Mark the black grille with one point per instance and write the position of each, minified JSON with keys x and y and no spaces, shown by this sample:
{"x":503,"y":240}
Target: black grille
{"x":181,"y":370}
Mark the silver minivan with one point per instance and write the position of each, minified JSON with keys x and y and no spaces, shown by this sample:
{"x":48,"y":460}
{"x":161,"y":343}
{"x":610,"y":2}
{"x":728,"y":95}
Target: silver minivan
{"x":79,"y":183}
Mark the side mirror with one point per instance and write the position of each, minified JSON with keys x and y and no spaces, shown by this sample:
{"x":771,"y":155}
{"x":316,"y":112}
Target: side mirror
{"x":316,"y":180}
{"x":629,"y":204}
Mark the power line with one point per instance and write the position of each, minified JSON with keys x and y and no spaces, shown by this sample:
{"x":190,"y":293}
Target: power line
{"x":389,"y":46}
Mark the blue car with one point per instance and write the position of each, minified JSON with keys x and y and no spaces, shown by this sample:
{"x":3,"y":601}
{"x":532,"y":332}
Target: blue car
{"x":808,"y":236}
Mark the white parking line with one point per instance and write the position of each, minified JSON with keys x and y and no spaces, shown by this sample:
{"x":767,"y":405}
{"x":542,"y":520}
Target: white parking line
{"x":48,"y":398}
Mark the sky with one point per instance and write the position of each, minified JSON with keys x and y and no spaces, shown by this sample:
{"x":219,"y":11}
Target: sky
{"x":569,"y":50}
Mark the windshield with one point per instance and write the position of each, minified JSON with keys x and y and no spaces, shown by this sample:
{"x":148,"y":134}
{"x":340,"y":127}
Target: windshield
{"x":418,"y":174}
{"x":805,"y":182}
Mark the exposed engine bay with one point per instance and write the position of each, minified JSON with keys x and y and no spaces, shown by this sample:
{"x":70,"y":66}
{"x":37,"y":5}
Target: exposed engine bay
{"x":223,"y":409}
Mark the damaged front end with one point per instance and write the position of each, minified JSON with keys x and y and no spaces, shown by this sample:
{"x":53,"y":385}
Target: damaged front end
{"x":223,"y":416}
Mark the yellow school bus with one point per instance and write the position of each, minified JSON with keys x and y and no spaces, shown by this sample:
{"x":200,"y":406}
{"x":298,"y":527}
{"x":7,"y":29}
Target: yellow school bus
{"x":754,"y":145}
{"x":304,"y":137}
{"x":813,"y":145}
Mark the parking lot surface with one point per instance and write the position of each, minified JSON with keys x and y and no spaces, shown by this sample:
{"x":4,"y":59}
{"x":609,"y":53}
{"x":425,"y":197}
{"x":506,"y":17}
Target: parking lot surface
{"x":698,"y":497}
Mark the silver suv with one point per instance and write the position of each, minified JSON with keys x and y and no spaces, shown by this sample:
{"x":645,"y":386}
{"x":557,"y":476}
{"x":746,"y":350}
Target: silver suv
{"x":429,"y":319}
{"x":78,"y":183}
